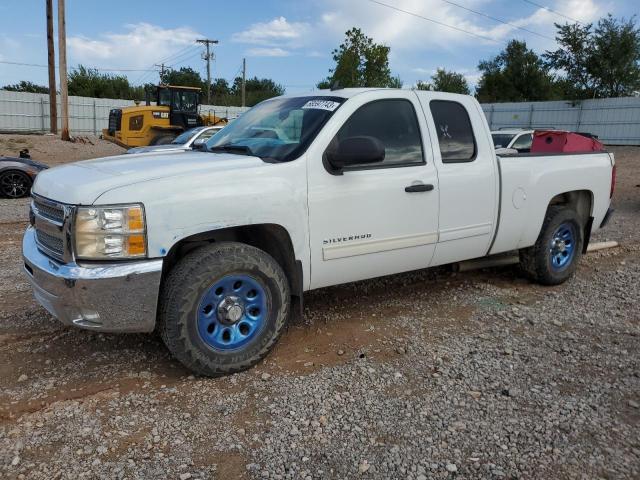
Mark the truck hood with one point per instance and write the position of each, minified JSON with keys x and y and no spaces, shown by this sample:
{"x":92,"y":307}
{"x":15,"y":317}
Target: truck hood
{"x":158,"y":148}
{"x":81,"y":183}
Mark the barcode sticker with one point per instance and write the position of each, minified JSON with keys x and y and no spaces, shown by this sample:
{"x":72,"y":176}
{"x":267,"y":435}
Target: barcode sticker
{"x":322,"y":105}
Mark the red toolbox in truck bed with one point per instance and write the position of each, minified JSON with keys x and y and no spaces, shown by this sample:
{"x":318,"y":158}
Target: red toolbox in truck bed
{"x":562,"y":141}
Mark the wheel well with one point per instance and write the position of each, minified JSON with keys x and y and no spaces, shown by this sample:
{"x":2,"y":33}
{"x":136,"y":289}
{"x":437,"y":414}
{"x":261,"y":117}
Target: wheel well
{"x":15,"y":170}
{"x":271,"y":238}
{"x":581,"y":201}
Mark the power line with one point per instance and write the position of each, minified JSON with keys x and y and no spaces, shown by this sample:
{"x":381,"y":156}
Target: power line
{"x":183,"y":58}
{"x":437,"y":22}
{"x":164,"y":60}
{"x":177,"y":53}
{"x":553,"y":11}
{"x":498,"y":20}
{"x":91,"y":68}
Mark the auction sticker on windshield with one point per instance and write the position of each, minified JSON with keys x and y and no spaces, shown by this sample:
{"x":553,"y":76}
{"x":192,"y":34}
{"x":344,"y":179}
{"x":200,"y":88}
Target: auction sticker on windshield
{"x":322,"y":105}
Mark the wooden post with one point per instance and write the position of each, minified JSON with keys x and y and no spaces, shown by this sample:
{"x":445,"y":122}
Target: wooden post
{"x":244,"y":82}
{"x":579,"y":116}
{"x":53,"y":104}
{"x":531,"y":115}
{"x":62,"y":53}
{"x":42,"y":124}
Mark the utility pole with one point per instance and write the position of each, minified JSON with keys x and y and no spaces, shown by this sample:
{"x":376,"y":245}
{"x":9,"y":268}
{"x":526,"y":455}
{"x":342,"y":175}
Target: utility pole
{"x":51,"y":59}
{"x":207,"y":57}
{"x":62,"y":52}
{"x":162,"y":68}
{"x":244,"y":82}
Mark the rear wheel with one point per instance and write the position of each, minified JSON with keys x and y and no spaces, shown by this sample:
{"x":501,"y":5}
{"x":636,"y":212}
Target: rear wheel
{"x":554,"y":257}
{"x":223,"y":308}
{"x":15,"y":184}
{"x":163,"y":139}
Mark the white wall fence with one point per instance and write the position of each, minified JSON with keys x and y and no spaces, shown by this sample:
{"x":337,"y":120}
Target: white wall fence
{"x":616,"y":121}
{"x":29,"y":112}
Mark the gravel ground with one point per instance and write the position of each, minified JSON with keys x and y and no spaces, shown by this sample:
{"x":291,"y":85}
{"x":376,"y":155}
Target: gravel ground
{"x":429,"y":374}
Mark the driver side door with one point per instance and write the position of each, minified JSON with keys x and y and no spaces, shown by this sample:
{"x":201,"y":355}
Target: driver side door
{"x":373,"y":219}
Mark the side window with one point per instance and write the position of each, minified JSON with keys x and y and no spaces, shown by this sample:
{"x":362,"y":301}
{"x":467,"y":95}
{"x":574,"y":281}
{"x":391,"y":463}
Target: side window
{"x":455,"y":135}
{"x":523,"y":143}
{"x":395,"y":124}
{"x":206,"y":135}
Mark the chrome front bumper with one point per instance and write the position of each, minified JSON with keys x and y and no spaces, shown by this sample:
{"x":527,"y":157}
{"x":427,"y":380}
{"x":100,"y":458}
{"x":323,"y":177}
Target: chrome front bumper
{"x":107,"y":297}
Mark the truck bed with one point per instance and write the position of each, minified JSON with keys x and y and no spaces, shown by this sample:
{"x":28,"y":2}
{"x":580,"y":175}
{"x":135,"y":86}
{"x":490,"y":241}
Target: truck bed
{"x":528,"y":183}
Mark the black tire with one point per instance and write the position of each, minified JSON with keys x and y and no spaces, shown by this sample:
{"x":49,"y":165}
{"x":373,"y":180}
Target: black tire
{"x":163,"y":139}
{"x":15,"y":184}
{"x":538,"y":261}
{"x":192,"y":279}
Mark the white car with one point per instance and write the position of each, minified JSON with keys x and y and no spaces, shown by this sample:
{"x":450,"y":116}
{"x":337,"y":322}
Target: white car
{"x":193,"y":137}
{"x":215,"y":250}
{"x":510,"y":139}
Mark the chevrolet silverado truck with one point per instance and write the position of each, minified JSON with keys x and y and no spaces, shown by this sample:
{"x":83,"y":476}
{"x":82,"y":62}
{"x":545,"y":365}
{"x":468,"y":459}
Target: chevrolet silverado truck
{"x":214,"y":249}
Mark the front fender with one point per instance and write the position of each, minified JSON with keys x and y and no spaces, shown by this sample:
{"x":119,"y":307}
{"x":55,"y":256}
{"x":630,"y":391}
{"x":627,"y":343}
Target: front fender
{"x":180,"y":207}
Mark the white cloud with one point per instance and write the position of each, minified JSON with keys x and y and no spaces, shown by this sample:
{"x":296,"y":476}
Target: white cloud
{"x":139,"y":46}
{"x":267,"y":52}
{"x":278,"y":32}
{"x":404,"y":31}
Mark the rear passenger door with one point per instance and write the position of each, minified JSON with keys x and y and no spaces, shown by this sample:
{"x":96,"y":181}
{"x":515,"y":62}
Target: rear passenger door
{"x":374,"y":219}
{"x":467,"y":174}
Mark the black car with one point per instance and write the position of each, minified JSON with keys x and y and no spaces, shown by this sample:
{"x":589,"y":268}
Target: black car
{"x":17,"y":175}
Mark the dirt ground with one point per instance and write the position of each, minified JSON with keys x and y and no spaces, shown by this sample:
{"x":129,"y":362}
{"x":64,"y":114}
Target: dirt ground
{"x":49,"y":149}
{"x":76,"y":404}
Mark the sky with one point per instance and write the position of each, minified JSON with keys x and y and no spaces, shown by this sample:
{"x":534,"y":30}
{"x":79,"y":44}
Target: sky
{"x":286,"y":40}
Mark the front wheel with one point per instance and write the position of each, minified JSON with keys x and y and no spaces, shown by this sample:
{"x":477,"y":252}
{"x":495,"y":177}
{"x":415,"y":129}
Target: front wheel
{"x":554,"y":257}
{"x":223,"y":308}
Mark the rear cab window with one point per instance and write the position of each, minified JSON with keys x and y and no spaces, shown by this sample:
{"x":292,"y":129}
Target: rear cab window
{"x":455,"y":135}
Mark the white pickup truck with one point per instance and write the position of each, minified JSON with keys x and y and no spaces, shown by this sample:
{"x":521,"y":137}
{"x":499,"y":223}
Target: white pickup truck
{"x":215,"y":248}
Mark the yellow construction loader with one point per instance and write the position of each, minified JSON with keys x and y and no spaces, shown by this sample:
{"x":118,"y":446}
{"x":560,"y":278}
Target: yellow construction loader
{"x":175,"y":111}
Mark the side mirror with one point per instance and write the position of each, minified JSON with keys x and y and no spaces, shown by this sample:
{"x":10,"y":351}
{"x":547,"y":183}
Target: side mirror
{"x":353,"y":151}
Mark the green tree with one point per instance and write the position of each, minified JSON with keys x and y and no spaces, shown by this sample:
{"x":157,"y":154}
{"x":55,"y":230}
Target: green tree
{"x":89,"y":82}
{"x":26,"y":86}
{"x":517,"y":74}
{"x":597,"y":62}
{"x":617,"y":63}
{"x":573,"y":58}
{"x":256,"y":90}
{"x":360,"y":63}
{"x":446,"y":81}
{"x":185,"y":77}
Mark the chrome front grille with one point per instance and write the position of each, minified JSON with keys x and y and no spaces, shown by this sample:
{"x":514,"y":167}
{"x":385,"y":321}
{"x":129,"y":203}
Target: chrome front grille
{"x":51,"y":244}
{"x":51,"y":222}
{"x":49,"y":210}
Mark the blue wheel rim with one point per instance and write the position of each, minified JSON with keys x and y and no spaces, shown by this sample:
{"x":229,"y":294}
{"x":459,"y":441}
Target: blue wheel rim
{"x":232,"y":312}
{"x":562,"y":246}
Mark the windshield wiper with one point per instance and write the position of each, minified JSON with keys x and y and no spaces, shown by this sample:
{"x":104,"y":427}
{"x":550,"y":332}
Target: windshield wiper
{"x":239,"y":149}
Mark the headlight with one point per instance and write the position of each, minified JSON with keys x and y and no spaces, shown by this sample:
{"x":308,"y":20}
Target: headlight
{"x":110,"y":232}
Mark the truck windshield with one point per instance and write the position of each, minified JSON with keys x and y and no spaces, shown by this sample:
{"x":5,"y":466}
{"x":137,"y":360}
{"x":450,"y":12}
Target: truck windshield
{"x":276,"y":130}
{"x":502,"y":140}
